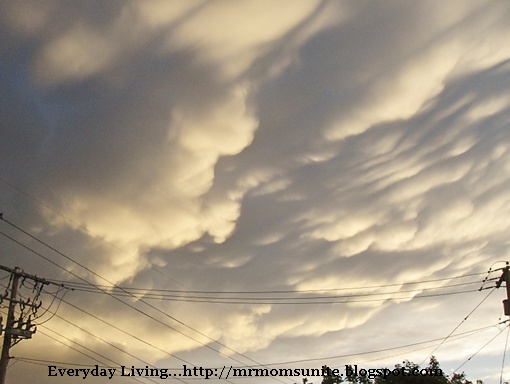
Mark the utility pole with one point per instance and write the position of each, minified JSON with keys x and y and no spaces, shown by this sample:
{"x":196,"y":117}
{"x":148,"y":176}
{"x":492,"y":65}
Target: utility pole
{"x":17,"y":329}
{"x":8,"y":326}
{"x":505,"y":276}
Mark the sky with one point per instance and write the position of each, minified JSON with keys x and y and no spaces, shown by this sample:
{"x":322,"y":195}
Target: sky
{"x":308,"y":181}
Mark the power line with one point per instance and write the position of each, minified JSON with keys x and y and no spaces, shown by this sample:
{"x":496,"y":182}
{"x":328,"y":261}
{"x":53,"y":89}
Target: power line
{"x":46,"y":310}
{"x":504,"y":355}
{"x":149,"y":294}
{"x":83,"y":353}
{"x":451,"y":339}
{"x":77,"y":276}
{"x":60,"y":363}
{"x":101,"y":238}
{"x":224,"y":301}
{"x":259,"y":364}
{"x":54,"y":312}
{"x":128,"y":333}
{"x":309,"y":299}
{"x":458,"y":325}
{"x":454,"y":338}
{"x":22,"y":327}
{"x":77,"y":285}
{"x":473,"y":355}
{"x":110,"y":344}
{"x":135,"y":296}
{"x":132,"y":295}
{"x":265,"y":365}
{"x":97,"y":337}
{"x":457,"y":337}
{"x":154,"y":268}
{"x":83,"y":227}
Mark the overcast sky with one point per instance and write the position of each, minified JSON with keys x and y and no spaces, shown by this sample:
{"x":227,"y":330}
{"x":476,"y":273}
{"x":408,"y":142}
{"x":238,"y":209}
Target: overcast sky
{"x":241,"y":146}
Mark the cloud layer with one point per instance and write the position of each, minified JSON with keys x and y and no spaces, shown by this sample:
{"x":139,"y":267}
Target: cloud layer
{"x":227,"y":146}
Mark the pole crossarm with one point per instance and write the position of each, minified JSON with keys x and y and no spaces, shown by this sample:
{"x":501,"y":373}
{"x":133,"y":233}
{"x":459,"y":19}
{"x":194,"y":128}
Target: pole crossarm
{"x":24,"y":303}
{"x":20,"y":273}
{"x":502,"y":277}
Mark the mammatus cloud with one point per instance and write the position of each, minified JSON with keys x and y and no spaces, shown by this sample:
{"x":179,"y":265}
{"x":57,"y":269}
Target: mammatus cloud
{"x":241,"y":146}
{"x":160,"y":102}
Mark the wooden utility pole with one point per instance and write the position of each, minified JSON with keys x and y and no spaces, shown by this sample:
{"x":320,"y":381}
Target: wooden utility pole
{"x":18,"y":329}
{"x":505,"y":276}
{"x":4,"y":360}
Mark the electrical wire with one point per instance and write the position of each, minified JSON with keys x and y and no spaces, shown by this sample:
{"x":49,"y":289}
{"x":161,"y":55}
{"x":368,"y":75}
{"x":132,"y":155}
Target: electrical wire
{"x":343,"y":356}
{"x":115,"y":327}
{"x":79,"y":277}
{"x":123,"y":302}
{"x":82,"y":227}
{"x":205,"y":345}
{"x":458,"y":325}
{"x":121,"y":350}
{"x":128,"y":333}
{"x":89,"y":232}
{"x":83,"y":330}
{"x":93,"y":285}
{"x":60,"y":363}
{"x":223,"y":301}
{"x":322,"y":290}
{"x":105,"y":341}
{"x":55,"y":312}
{"x":458,"y":336}
{"x":94,"y":235}
{"x":85,"y":354}
{"x":140,"y":300}
{"x":465,"y":334}
{"x":174,"y":297}
{"x":487,"y":343}
{"x":86,"y":230}
{"x":77,"y":285}
{"x":504,"y":355}
{"x":454,"y":338}
{"x":5,"y":277}
{"x":54,"y":295}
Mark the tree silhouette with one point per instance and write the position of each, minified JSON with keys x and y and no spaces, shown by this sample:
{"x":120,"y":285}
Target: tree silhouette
{"x":410,"y":372}
{"x":330,"y":378}
{"x":405,"y":373}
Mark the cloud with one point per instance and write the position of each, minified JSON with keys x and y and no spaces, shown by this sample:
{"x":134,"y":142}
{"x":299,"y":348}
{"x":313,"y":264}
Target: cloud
{"x":246,"y":147}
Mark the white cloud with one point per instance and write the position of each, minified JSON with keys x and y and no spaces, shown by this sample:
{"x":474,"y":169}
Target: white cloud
{"x":216,"y":29}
